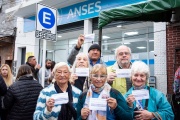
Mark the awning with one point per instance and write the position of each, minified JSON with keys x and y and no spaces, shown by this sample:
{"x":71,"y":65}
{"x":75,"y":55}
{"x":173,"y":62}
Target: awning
{"x":152,"y":10}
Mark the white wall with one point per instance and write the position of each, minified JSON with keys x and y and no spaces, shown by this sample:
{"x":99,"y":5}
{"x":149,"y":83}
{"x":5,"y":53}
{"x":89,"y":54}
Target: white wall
{"x":160,"y":58}
{"x":24,"y":40}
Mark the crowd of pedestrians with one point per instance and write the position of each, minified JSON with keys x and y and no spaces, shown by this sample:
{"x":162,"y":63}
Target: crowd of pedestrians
{"x":88,"y":91}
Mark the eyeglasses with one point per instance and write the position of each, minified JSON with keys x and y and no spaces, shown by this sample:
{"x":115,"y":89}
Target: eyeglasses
{"x":122,"y":53}
{"x":96,"y":76}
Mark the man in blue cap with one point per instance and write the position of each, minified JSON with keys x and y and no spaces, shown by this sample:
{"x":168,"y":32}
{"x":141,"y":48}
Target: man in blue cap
{"x":94,"y":52}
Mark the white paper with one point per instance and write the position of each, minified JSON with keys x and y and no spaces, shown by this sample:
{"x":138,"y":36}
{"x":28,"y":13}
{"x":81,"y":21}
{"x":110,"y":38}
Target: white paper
{"x":83,"y":72}
{"x":123,"y":73}
{"x":141,"y":94}
{"x":60,"y":98}
{"x":89,"y":37}
{"x":98,"y":104}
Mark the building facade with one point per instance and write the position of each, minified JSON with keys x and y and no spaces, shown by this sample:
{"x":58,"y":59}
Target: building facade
{"x":7,"y":33}
{"x":146,"y":39}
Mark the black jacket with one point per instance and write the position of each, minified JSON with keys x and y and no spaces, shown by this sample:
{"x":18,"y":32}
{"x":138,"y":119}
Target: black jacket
{"x":21,"y":98}
{"x":3,"y":90}
{"x":34,"y":71}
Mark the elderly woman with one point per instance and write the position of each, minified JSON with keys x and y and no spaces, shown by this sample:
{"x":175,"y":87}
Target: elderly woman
{"x":46,"y":107}
{"x":116,"y":108}
{"x":157,"y":106}
{"x":21,"y":97}
{"x":81,"y":82}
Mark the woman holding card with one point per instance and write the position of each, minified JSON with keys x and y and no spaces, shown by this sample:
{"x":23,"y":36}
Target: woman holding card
{"x":156,"y":105}
{"x":81,"y":82}
{"x":47,"y":105}
{"x":116,"y":107}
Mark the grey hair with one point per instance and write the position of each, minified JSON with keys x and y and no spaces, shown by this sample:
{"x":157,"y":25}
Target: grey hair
{"x":79,"y":55}
{"x":116,"y":50}
{"x":60,"y":64}
{"x":140,"y":67}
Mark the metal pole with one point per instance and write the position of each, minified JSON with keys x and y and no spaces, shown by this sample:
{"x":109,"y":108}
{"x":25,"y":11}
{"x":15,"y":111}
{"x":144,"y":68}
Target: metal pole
{"x":100,"y":37}
{"x":43,"y":62}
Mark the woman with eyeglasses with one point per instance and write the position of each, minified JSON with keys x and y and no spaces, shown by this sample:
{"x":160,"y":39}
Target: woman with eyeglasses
{"x":114,"y":105}
{"x":49,"y":106}
{"x":154,"y":107}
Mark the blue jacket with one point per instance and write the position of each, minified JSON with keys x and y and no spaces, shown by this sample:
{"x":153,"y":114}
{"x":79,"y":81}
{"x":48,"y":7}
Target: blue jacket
{"x":157,"y":104}
{"x":41,"y":112}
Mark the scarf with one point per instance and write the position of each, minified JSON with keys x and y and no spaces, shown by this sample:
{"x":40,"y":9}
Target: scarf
{"x":104,"y":92}
{"x":67,"y":110}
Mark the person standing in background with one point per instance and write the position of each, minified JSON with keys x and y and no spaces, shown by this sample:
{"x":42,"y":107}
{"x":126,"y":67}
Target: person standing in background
{"x":94,"y":53}
{"x":31,"y":61}
{"x":3,"y":90}
{"x":21,"y":97}
{"x":81,"y":82}
{"x":123,"y":61}
{"x":5,"y":72}
{"x":47,"y":73}
{"x":53,"y":63}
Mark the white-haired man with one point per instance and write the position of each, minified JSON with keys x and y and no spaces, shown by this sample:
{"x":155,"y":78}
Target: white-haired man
{"x":123,"y":57}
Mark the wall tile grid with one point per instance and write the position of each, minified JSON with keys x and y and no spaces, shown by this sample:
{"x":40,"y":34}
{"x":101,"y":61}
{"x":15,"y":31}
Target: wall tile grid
{"x":160,"y":56}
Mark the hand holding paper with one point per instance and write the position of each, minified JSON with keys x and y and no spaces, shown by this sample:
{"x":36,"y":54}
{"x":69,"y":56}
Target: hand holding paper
{"x":60,"y":98}
{"x":141,"y":94}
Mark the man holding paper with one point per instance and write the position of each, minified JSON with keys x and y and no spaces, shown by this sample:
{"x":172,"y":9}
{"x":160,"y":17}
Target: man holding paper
{"x":119,"y":73}
{"x":58,"y":101}
{"x":101,"y":102}
{"x":148,"y":103}
{"x":80,"y":72}
{"x":94,"y":52}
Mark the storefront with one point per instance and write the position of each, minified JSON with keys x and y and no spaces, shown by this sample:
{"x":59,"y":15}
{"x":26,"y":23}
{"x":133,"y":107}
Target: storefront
{"x":146,"y":39}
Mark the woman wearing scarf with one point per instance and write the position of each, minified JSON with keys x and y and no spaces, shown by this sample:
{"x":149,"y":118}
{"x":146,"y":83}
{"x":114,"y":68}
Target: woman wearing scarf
{"x":156,"y":107}
{"x":46,"y":107}
{"x":116,"y":109}
{"x":81,"y":82}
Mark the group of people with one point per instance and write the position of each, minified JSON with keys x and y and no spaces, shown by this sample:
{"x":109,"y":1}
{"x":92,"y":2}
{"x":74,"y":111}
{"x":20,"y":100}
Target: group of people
{"x":100,"y":95}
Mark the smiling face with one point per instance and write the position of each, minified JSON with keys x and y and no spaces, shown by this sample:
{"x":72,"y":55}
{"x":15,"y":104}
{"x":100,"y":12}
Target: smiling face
{"x":62,"y":75}
{"x":82,"y":61}
{"x":98,"y":75}
{"x":139,"y":79}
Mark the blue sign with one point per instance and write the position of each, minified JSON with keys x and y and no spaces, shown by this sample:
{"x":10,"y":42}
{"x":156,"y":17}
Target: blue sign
{"x":46,"y":24}
{"x":46,"y":18}
{"x":84,"y":10}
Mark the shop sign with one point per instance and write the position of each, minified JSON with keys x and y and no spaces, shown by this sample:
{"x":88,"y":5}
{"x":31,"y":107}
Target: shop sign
{"x":46,"y":24}
{"x":81,"y":11}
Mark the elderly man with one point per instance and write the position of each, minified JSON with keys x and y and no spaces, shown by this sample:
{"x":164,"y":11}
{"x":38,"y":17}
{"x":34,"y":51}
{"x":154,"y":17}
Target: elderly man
{"x":94,"y":52}
{"x":123,"y":57}
{"x":31,"y":61}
